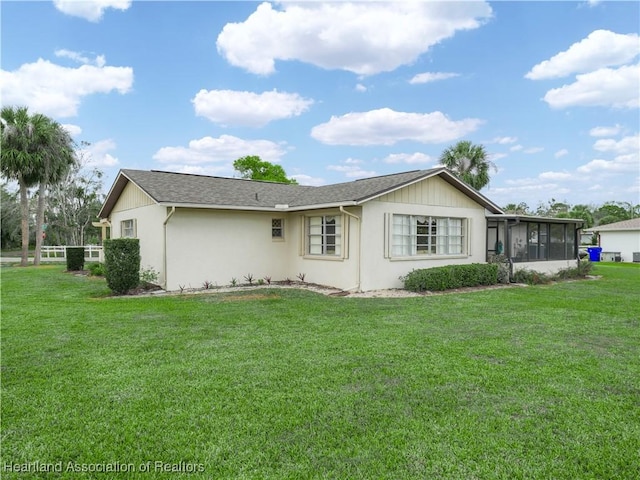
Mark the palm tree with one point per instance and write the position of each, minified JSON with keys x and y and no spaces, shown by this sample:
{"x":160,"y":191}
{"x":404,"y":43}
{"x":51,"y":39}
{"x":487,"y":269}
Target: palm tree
{"x":469,"y":163}
{"x":34,"y":150}
{"x":57,"y":158}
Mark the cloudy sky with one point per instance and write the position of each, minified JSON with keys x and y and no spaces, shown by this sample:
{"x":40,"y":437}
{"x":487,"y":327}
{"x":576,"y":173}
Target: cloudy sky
{"x":339,"y":91}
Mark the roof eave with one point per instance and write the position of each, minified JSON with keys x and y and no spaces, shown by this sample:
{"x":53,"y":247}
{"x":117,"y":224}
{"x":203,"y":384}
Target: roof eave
{"x":515,"y":216}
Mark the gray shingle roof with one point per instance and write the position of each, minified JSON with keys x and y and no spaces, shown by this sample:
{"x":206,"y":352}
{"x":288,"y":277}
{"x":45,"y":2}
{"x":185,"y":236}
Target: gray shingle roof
{"x":198,"y":190}
{"x":633,"y":224}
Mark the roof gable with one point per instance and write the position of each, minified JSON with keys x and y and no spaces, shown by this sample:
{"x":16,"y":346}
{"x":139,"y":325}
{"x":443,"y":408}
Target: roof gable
{"x":178,"y":189}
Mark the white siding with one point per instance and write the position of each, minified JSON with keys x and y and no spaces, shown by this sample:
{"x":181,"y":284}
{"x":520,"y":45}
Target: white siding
{"x":625,"y":242}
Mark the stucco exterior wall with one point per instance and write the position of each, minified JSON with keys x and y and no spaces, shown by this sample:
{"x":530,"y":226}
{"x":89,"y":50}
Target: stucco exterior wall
{"x":148,"y":225}
{"x":625,"y":242}
{"x":549,"y":267}
{"x":433,"y":197}
{"x":216,"y":246}
{"x":339,"y":271}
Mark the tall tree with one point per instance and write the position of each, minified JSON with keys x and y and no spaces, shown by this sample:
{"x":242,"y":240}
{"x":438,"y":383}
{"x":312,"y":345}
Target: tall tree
{"x":73,"y":204}
{"x":10,"y":217}
{"x":255,"y":168}
{"x":469,"y":163}
{"x":34,"y":152}
{"x":19,"y":160}
{"x":57,"y":158}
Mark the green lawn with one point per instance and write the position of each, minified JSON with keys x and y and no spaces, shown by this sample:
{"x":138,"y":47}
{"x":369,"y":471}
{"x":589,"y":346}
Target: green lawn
{"x":520,"y":383}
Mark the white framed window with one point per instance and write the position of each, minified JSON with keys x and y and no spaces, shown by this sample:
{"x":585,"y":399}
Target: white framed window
{"x":413,"y":235}
{"x":277,"y":228}
{"x":324,"y":235}
{"x":128,"y":228}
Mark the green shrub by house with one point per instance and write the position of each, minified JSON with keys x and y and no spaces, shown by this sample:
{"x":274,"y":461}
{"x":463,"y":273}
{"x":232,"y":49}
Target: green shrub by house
{"x":75,"y":258}
{"x":451,"y":276}
{"x":96,"y":269}
{"x":122,"y":263}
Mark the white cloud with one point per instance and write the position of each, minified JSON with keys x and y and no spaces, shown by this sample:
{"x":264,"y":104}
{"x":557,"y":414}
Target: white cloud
{"x":229,"y":107}
{"x":361,"y":37}
{"x":620,"y":164}
{"x":561,"y":153}
{"x":98,"y":61}
{"x":556,"y":176}
{"x":91,"y":10}
{"x":605,"y":131}
{"x":225,"y":148}
{"x":516,"y":148}
{"x":496,"y":156}
{"x":532,"y":150}
{"x":97,"y":155}
{"x":606,"y":87}
{"x":602,"y":48}
{"x":74,"y":130}
{"x":352,"y":171}
{"x":387,"y":127}
{"x":57,"y":91}
{"x":409,"y":158}
{"x":624,"y":145}
{"x":431,"y":77}
{"x":361,"y":88}
{"x":308,"y":180}
{"x":503,"y":140}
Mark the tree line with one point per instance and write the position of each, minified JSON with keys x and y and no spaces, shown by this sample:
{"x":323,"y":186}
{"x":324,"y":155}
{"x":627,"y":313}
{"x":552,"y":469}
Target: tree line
{"x":41,"y":157}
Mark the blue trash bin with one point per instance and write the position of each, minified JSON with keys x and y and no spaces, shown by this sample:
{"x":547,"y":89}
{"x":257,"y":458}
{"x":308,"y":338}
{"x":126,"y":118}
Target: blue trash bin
{"x":594,"y":253}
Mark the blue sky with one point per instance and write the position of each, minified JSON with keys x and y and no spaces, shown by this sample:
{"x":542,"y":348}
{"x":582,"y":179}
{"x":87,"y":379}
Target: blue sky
{"x":339,"y":91}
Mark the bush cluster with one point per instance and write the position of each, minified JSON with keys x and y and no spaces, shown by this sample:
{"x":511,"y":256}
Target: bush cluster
{"x":451,"y":276}
{"x":75,"y":258}
{"x":122,"y":263}
{"x":531,"y":277}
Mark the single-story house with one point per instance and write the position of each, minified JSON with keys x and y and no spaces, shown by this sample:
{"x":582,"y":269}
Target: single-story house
{"x":360,"y":235}
{"x":619,"y":241}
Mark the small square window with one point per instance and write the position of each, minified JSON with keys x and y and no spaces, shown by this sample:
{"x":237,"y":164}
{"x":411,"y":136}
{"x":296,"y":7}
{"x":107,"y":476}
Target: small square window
{"x":128,"y":229}
{"x":277,"y":228}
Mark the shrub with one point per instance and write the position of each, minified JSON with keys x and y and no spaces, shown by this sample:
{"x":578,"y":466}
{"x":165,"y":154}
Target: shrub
{"x":530,"y":277}
{"x":122,"y":263}
{"x":451,"y":276}
{"x":75,"y":258}
{"x":148,"y":277}
{"x":96,"y":269}
{"x":581,"y":271}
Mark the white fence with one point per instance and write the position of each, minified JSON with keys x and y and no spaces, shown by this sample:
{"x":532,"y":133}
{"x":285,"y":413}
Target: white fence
{"x":59,"y":252}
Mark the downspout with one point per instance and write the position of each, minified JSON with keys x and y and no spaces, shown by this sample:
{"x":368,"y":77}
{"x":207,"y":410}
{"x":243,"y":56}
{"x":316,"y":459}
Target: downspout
{"x":164,"y":247}
{"x":358,"y":263}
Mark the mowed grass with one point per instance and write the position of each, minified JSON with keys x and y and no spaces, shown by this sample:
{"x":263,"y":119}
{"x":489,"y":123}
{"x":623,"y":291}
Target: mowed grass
{"x":517,"y":383}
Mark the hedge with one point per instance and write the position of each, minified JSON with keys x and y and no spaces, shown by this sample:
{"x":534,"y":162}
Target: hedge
{"x":75,"y":258}
{"x":122,"y":263}
{"x":451,"y":276}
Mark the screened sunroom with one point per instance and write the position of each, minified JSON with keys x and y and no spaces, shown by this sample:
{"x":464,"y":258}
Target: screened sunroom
{"x":527,"y":239}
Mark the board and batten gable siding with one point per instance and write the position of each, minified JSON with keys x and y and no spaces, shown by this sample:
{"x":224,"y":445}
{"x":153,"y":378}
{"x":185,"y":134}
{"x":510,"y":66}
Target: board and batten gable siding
{"x":132,"y":197}
{"x":431,"y":191}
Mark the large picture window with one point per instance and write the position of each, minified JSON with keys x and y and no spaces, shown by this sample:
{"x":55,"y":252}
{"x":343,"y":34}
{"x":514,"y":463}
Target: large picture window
{"x":324,"y":235}
{"x":425,"y":235}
